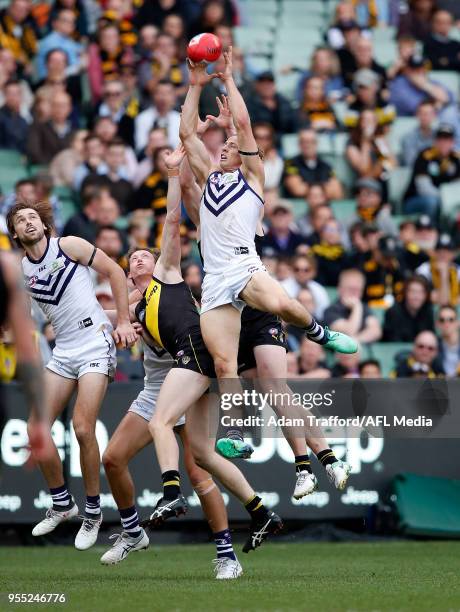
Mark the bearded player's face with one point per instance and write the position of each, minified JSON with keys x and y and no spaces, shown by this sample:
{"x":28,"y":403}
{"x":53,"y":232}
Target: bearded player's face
{"x":230,"y":159}
{"x":28,"y":226}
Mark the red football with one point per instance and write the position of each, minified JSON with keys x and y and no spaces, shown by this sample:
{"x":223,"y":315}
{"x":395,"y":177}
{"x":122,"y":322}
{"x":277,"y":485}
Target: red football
{"x":204,"y":48}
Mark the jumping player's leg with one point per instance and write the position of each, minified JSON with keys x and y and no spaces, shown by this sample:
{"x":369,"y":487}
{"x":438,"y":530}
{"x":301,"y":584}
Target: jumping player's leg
{"x":202,"y":434}
{"x":272,"y":374}
{"x":180,"y":389}
{"x":58,"y":391}
{"x":91,"y":391}
{"x":220,"y":328}
{"x":227,"y":565}
{"x":129,"y":438}
{"x":264,"y":293}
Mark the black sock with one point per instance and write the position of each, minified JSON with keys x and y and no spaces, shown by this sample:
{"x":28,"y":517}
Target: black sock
{"x":326,"y":457}
{"x":302,"y":464}
{"x":171,"y":484}
{"x":256,"y":508}
{"x":235,"y":434}
{"x":316,"y":332}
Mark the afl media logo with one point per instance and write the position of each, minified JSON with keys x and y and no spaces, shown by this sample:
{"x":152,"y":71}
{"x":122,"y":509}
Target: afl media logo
{"x":32,"y":280}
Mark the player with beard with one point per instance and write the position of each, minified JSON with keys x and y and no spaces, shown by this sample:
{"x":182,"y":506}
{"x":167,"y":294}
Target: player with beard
{"x":58,"y":279}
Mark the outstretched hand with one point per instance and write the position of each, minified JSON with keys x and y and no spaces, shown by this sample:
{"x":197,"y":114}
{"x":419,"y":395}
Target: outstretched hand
{"x":198,"y":74}
{"x":228,"y":70}
{"x":224,"y":119}
{"x":174,"y":158}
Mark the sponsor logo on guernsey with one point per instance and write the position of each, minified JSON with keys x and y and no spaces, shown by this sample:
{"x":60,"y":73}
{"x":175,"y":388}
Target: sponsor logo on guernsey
{"x":185,"y":360}
{"x":229,"y":177}
{"x":241,"y":250}
{"x":57,"y":264}
{"x":85,"y":323}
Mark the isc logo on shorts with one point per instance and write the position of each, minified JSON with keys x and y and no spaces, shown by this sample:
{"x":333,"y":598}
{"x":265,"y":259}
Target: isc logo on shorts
{"x":94,"y":364}
{"x":85,"y":323}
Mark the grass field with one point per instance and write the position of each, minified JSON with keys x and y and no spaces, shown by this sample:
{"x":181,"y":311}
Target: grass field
{"x":321,"y":577}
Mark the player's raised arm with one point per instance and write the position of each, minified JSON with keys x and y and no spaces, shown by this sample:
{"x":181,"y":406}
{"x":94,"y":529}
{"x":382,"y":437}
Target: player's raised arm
{"x":86,"y":254}
{"x":247,"y":146}
{"x":196,"y":151}
{"x":168,"y":264}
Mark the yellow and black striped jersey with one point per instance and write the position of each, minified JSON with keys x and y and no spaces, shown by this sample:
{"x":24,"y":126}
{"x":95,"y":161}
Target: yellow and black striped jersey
{"x":168,"y":313}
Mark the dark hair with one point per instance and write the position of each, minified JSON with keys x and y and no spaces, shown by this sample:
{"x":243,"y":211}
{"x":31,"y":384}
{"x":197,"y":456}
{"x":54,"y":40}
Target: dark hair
{"x":109,"y":228}
{"x":368,"y":362}
{"x":89,"y":195}
{"x":447,"y":307}
{"x":44,"y":211}
{"x":116,"y":142}
{"x":164,"y":81}
{"x":11,"y":82}
{"x":420,"y":280}
{"x":157,"y":153}
{"x":405,"y":224}
{"x":24,"y":181}
{"x":51,"y":51}
{"x":427,"y":102}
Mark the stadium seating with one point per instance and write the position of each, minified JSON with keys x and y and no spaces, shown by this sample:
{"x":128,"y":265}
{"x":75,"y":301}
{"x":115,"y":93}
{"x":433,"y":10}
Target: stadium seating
{"x":400,"y":127}
{"x":448,"y":78}
{"x":397,"y":184}
{"x":343,"y":209}
{"x":331,"y":293}
{"x":254,"y":41}
{"x":290,"y":145}
{"x":450,"y":199}
{"x":386,"y":353}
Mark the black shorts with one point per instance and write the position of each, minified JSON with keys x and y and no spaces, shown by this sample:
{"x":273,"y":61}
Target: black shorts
{"x":191,"y":354}
{"x":258,"y":329}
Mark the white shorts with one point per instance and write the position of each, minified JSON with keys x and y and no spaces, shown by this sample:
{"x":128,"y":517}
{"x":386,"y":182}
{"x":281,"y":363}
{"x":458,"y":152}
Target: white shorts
{"x":225,"y":287}
{"x":145,"y":403}
{"x":98,"y":356}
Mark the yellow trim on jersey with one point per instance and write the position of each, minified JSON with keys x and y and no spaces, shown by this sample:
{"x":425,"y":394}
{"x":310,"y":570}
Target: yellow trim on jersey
{"x":194,"y":354}
{"x":152,"y":308}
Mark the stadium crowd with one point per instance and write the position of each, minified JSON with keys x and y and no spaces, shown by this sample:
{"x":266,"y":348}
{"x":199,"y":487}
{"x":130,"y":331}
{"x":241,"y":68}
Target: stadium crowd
{"x":361,"y":157}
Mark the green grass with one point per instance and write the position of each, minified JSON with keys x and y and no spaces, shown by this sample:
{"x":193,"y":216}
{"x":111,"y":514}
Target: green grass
{"x":321,"y":577}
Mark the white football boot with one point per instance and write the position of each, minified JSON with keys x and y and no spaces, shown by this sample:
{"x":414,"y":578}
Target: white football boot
{"x":305,"y":484}
{"x":124,"y":544}
{"x":338,"y":474}
{"x":227,"y":569}
{"x":87,"y":534}
{"x":52,"y":519}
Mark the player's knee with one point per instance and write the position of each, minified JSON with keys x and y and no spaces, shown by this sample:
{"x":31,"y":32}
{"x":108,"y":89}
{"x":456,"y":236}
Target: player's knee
{"x":112,"y":461}
{"x":225,"y":367}
{"x":84,"y":432}
{"x":201,"y":457}
{"x":196,"y":474}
